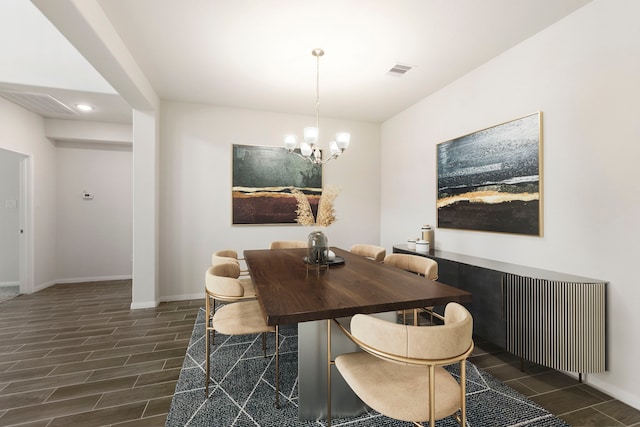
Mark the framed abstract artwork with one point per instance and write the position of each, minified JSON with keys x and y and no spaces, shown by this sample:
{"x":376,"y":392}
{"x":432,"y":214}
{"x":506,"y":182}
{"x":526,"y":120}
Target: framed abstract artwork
{"x":263,"y":178}
{"x":491,"y":180}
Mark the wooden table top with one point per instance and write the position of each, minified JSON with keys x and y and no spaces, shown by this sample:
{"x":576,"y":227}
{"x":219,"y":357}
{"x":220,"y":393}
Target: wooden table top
{"x":289,"y":293}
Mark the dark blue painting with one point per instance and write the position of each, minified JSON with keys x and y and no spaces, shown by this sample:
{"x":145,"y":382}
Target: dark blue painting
{"x":491,"y":180}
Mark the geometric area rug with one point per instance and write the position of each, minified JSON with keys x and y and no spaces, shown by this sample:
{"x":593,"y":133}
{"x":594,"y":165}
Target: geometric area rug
{"x":241,"y":392}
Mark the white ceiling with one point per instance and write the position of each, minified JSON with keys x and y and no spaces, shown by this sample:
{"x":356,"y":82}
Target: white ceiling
{"x":257,"y":54}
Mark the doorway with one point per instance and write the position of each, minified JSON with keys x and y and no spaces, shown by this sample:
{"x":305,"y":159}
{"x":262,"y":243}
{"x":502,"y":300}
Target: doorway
{"x":14,"y":206}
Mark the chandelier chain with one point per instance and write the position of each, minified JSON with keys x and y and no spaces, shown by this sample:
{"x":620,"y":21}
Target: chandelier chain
{"x":318,"y":91}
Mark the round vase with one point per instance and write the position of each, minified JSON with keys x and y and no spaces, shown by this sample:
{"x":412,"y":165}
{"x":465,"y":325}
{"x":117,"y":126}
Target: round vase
{"x":318,"y":248}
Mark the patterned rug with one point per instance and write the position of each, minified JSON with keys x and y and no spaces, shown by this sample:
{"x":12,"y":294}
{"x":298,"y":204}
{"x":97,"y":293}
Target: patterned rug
{"x":242,"y":391}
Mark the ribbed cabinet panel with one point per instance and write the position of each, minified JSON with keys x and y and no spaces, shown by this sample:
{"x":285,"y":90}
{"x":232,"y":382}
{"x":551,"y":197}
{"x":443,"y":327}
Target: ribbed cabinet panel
{"x":556,"y":324}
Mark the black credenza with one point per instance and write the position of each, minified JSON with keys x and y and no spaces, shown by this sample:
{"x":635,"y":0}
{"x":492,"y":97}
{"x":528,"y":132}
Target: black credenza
{"x":553,"y":319}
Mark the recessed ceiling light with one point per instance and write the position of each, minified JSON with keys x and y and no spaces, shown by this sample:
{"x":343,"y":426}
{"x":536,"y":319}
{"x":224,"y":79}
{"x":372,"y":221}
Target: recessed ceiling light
{"x":84,"y":107}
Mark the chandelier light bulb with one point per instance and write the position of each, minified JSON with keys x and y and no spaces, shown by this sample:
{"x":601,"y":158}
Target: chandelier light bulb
{"x":305,"y":149}
{"x":342,"y":140}
{"x":290,"y":142}
{"x":311,"y":135}
{"x":333,"y":148}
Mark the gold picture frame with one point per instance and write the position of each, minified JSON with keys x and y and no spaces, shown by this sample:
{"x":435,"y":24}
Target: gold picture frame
{"x":491,"y":179}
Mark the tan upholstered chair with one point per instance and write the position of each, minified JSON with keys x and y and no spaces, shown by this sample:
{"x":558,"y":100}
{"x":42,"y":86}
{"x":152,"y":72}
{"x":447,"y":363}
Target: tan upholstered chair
{"x":228,"y":255}
{"x":241,"y":315}
{"x":231,"y":268}
{"x":400,"y":372}
{"x":373,"y":252}
{"x":288,"y":244}
{"x":414,"y":263}
{"x":419,"y":265}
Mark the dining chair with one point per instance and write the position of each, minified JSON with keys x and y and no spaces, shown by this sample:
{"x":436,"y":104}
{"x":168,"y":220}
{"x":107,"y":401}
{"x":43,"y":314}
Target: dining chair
{"x":231,"y":268}
{"x":414,"y":263}
{"x":419,"y":265}
{"x":288,"y":244}
{"x":240,"y":315}
{"x":376,"y":253}
{"x":401,"y":371}
{"x":228,"y":255}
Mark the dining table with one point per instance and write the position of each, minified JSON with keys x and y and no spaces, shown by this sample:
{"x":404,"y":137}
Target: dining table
{"x":290,"y":290}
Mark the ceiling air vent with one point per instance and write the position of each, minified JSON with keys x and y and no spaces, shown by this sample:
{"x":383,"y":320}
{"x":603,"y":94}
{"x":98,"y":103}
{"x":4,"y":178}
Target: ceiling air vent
{"x":39,"y":103}
{"x":399,"y":69}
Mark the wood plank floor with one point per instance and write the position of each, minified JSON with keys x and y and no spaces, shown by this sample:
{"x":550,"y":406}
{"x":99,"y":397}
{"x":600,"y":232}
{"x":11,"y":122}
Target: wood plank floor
{"x":577,"y":403}
{"x":75,"y":354}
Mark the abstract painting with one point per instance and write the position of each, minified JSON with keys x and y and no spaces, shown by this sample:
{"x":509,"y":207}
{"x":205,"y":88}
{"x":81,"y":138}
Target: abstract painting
{"x":263,"y":178}
{"x":491,"y":180}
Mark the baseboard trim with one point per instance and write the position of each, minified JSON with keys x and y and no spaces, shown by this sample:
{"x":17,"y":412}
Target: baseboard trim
{"x":146,"y":304}
{"x":182,"y":297}
{"x":7,"y":284}
{"x":42,"y":286}
{"x":93,"y":279}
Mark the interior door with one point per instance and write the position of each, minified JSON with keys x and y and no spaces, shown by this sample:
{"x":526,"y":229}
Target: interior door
{"x":11,"y":207}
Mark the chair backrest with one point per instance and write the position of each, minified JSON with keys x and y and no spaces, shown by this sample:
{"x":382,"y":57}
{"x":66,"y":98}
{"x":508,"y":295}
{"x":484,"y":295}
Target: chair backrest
{"x":222,"y":287}
{"x":218,"y":259}
{"x":374,"y":252}
{"x":225,"y":269}
{"x":227,"y":253}
{"x":288,"y":244}
{"x":415,"y":264}
{"x":446,"y":341}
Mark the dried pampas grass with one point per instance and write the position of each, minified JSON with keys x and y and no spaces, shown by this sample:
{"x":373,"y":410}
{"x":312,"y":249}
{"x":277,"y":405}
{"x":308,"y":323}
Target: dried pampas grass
{"x":303,"y":211}
{"x":326,"y":210}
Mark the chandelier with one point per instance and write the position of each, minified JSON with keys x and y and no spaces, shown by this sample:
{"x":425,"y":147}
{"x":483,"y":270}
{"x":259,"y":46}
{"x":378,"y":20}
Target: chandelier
{"x":309,"y":148}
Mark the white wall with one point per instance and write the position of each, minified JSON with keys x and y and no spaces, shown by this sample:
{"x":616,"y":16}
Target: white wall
{"x":89,"y":131}
{"x":9,"y":218}
{"x":72,"y":240}
{"x":195,"y":187}
{"x":23,"y":132}
{"x":582,"y":73}
{"x":94,"y":237}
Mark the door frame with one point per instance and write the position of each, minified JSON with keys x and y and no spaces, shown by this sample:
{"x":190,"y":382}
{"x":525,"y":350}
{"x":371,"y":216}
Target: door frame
{"x":26,"y":225}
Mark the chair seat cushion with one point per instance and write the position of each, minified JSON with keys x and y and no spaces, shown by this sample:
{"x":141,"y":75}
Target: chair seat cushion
{"x":247,"y":284}
{"x":396,"y":390}
{"x":240,"y":318}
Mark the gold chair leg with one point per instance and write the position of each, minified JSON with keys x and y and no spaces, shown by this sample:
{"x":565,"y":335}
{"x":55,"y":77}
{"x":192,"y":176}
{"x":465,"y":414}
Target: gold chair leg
{"x":432,"y":396}
{"x":206,"y":378}
{"x":463,"y":392}
{"x":277,"y":367}
{"x":206,"y":346}
{"x":328,"y":372}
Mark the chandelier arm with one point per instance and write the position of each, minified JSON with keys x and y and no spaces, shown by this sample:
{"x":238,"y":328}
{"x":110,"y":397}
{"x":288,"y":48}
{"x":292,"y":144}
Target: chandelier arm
{"x":333,"y":156}
{"x":315,"y":160}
